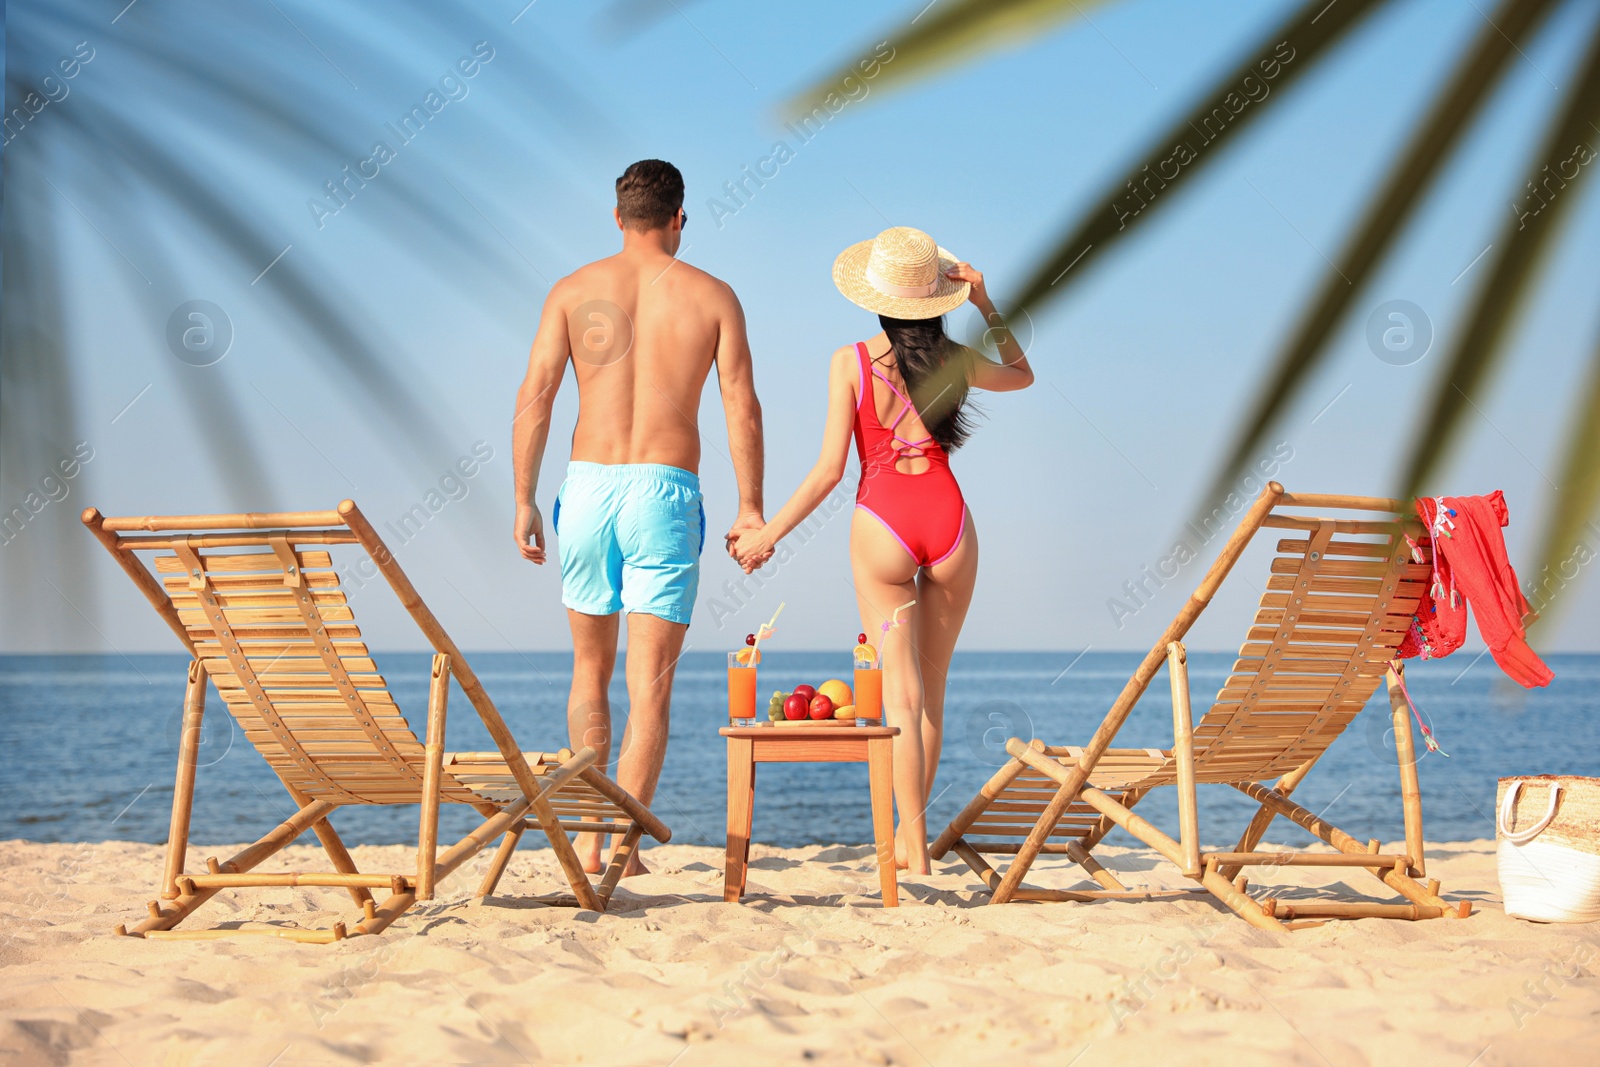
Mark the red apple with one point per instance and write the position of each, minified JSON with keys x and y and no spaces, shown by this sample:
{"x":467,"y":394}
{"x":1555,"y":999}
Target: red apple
{"x":796,"y":707}
{"x":807,"y":691}
{"x":821,"y":707}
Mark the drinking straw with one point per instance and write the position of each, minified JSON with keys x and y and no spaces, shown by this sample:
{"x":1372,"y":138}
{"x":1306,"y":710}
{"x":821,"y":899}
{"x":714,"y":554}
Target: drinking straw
{"x":765,"y":630}
{"x":893,"y":620}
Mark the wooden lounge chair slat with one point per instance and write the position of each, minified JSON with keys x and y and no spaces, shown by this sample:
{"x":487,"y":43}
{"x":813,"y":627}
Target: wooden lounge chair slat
{"x":1344,"y":547}
{"x":301,"y":702}
{"x":1332,"y":619}
{"x":1256,"y":648}
{"x":1354,"y":568}
{"x":177,"y":585}
{"x":249,"y":561}
{"x":1021,"y":829}
{"x":1022,"y":821}
{"x":1343,"y":586}
{"x":263,"y":595}
{"x":1316,"y":602}
{"x":1290,"y":686}
{"x":310,"y":733}
{"x":1344,"y":526}
{"x":263,"y":634}
{"x":245,"y":617}
{"x":282,"y":683}
{"x":290,"y":659}
{"x":255,"y":649}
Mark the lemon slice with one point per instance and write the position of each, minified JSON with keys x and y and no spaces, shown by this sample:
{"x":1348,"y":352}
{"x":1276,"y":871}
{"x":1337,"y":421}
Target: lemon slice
{"x":748,"y":655}
{"x":867,"y":652}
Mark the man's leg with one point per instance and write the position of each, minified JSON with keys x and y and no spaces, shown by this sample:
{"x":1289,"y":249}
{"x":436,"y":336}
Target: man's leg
{"x":654,"y":646}
{"x":594,"y":657}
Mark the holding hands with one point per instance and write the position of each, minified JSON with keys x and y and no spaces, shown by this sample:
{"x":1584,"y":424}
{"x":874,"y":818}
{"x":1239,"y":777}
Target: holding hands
{"x":751,"y":548}
{"x":746,"y":544}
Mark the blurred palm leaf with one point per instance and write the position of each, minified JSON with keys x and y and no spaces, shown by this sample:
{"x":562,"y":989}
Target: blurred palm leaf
{"x":1313,"y":30}
{"x":942,"y":34}
{"x":628,"y":18}
{"x":1519,"y":247}
{"x":170,"y":135}
{"x":1466,"y":92}
{"x":1578,"y":499}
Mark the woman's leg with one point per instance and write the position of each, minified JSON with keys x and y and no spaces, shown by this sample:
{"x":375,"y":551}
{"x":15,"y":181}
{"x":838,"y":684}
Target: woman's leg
{"x":885,"y":578}
{"x":944,"y":592}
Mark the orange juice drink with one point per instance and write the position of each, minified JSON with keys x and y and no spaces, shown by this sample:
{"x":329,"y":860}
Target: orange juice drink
{"x":742,"y":686}
{"x":869,"y":693}
{"x":869,"y":684}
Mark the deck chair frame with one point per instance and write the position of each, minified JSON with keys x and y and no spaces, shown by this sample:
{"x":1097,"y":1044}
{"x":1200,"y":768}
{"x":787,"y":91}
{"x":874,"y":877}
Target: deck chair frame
{"x":1083,"y":814}
{"x":537,"y":781}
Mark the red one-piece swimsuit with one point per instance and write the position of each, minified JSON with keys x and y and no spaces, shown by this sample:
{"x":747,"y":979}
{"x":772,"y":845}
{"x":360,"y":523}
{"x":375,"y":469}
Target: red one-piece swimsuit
{"x":925,"y":512}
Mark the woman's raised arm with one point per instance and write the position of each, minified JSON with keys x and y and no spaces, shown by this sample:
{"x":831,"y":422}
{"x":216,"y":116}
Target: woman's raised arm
{"x":1012,"y":372}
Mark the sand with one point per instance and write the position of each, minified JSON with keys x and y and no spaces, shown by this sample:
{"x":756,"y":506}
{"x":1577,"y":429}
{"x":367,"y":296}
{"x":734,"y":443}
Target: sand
{"x":809,"y":969}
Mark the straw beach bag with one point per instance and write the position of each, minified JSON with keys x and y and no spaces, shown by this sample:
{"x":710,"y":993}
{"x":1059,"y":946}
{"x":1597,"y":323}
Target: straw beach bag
{"x":1548,"y":827}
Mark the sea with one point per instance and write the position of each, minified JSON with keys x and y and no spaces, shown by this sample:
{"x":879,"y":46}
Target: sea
{"x":88,"y":745}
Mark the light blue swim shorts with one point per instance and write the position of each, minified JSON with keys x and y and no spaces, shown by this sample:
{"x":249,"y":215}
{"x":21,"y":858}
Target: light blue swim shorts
{"x":630,"y":537}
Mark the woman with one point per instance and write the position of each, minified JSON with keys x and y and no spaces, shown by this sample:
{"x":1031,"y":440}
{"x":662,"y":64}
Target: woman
{"x":903,"y":395}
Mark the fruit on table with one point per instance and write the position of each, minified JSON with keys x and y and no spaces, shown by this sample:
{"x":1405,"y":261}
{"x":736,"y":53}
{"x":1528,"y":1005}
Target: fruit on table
{"x":821,"y":707}
{"x":836,"y":691}
{"x":807,"y":691}
{"x":846,"y":712}
{"x":775,"y":705}
{"x":796,"y":706}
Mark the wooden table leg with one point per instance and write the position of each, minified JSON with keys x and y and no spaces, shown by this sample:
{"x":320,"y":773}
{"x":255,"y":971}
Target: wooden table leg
{"x":741,"y":813}
{"x":749,"y":827}
{"x":880,"y":773}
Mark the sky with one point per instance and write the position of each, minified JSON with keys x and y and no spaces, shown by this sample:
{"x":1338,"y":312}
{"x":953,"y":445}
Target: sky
{"x":1076,"y":485}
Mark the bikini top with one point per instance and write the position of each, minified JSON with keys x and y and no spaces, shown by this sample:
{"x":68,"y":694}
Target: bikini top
{"x":880,"y":446}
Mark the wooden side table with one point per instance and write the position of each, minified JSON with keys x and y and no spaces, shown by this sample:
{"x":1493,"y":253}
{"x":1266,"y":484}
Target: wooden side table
{"x":750,"y":745}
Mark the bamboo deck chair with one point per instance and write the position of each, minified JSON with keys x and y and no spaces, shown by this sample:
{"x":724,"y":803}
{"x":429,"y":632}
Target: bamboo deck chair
{"x":1339,"y":600}
{"x":256,"y":600}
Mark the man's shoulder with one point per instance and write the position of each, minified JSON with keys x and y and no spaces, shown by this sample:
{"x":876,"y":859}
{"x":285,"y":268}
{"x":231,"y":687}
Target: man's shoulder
{"x":597,"y":269}
{"x":704,"y":280}
{"x":564,"y":289}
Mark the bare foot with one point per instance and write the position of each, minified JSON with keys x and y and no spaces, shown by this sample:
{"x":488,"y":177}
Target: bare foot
{"x":588,"y":849}
{"x":902,"y":857}
{"x":635,"y":867}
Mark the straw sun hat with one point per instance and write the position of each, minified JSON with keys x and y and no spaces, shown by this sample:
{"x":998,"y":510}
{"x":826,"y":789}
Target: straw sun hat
{"x":899,"y":273}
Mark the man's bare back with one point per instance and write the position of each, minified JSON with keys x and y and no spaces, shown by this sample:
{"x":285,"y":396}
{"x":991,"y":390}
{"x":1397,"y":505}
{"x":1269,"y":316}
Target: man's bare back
{"x":644,"y":331}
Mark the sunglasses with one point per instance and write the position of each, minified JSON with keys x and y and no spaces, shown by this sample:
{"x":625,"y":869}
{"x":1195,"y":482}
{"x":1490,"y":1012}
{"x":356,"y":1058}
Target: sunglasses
{"x":683,"y":218}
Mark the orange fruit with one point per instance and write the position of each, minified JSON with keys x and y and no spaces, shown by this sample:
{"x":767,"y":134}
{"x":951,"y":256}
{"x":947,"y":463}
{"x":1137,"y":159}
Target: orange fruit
{"x":836,"y":691}
{"x":748,"y":655}
{"x":867,"y":652}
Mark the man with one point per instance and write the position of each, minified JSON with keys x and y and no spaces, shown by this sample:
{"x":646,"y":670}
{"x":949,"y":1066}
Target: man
{"x":642,"y":331}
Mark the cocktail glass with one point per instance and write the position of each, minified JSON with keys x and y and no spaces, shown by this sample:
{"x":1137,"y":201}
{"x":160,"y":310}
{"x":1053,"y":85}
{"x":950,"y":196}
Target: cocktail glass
{"x":742,"y":687}
{"x":868,"y":692}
